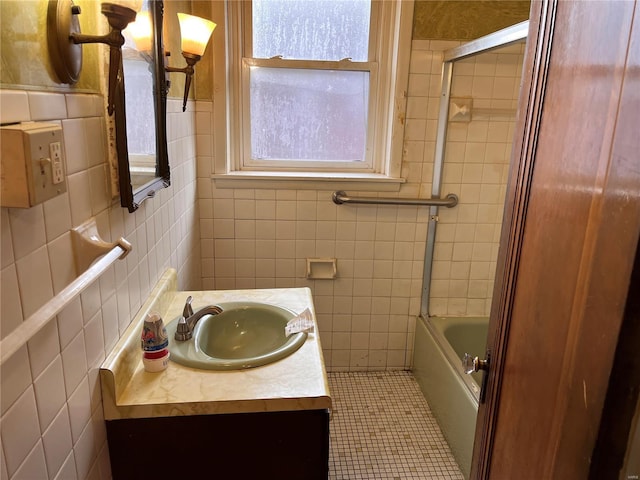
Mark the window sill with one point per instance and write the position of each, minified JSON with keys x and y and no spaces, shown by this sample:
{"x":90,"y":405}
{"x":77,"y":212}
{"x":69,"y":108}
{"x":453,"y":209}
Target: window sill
{"x":308,"y":181}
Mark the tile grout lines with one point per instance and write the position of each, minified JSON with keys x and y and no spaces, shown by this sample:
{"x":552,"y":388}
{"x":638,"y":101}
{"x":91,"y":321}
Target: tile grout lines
{"x":382,"y":429}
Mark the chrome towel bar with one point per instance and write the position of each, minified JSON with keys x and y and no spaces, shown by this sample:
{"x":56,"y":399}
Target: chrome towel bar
{"x":449,"y":201}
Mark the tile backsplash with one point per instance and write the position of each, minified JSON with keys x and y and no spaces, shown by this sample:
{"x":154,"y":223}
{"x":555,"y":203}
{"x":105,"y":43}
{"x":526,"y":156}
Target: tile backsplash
{"x":52,"y":424}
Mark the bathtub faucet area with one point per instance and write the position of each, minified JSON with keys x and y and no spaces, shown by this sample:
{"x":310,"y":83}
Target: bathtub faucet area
{"x":187,"y":323}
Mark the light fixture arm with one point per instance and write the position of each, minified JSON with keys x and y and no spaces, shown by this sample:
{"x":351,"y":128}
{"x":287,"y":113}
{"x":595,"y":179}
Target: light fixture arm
{"x":115,"y":40}
{"x":64,"y":40}
{"x":63,"y":31}
{"x":195,"y":33}
{"x":189,"y":70}
{"x":118,"y":17}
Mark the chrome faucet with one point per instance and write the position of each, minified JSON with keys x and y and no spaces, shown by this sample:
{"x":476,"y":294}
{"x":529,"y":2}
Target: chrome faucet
{"x":187,"y":323}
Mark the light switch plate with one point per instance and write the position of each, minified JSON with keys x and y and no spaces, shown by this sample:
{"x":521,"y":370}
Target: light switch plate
{"x":32,"y":164}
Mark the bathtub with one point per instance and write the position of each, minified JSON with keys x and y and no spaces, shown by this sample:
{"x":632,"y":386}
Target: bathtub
{"x":439,"y":346}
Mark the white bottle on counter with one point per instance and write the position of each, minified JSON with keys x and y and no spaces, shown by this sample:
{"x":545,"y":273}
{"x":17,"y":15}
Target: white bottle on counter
{"x":155,"y":343}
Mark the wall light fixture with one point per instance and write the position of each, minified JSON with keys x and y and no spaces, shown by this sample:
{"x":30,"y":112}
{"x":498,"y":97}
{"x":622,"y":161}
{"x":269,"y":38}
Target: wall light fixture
{"x":195,"y":33}
{"x":65,"y":39}
{"x":142,"y":32}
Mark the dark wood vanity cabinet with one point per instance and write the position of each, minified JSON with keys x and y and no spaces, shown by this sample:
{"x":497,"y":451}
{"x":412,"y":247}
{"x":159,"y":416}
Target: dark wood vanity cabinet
{"x":254,"y":446}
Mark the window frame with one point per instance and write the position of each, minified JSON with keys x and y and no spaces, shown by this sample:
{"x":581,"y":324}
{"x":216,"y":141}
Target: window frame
{"x":389,"y":64}
{"x":246,"y":161}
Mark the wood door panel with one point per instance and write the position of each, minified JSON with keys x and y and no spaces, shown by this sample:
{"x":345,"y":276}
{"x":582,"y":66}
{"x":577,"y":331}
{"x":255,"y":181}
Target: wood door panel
{"x":614,"y":228}
{"x":561,"y":304}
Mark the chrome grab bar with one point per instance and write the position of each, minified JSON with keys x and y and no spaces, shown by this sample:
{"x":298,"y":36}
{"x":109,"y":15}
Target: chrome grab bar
{"x":340,"y":197}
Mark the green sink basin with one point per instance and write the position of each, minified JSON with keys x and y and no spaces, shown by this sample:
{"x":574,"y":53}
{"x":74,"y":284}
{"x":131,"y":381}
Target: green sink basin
{"x":244,"y":335}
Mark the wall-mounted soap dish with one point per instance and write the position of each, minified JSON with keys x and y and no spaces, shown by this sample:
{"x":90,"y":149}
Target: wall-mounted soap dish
{"x":321,"y":268}
{"x":460,"y":109}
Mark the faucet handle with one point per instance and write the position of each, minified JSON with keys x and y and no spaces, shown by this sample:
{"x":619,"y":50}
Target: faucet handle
{"x":182,"y":331}
{"x":188,"y":310}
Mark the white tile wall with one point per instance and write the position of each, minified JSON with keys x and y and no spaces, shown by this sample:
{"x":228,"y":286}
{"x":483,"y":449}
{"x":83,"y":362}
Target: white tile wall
{"x":52,"y":424}
{"x":20,"y":430}
{"x":57,"y":440}
{"x":261,"y":238}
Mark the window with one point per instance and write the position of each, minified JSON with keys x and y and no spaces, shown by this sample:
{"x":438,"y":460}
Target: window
{"x":316,"y":87}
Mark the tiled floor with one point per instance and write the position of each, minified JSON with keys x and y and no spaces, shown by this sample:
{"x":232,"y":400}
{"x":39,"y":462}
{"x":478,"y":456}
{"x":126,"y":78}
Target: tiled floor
{"x":382,"y":429}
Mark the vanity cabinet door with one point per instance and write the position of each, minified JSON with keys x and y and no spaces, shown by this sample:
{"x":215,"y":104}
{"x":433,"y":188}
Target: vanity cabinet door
{"x":267,"y":445}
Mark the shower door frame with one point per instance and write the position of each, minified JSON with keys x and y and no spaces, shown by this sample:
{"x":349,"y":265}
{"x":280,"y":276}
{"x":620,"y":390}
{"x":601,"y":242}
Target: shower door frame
{"x":501,"y":38}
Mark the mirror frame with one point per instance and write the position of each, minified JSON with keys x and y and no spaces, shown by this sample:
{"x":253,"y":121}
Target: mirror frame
{"x":130,"y":198}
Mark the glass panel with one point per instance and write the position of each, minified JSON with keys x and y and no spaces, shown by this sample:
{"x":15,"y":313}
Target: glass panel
{"x":308,"y":114}
{"x":141,"y":139}
{"x":138,"y":69}
{"x":477,"y":153}
{"x":311,"y":30}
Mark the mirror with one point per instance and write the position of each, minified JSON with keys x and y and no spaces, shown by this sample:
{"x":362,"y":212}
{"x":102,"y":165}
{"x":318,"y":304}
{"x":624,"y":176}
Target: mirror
{"x":140,"y":116}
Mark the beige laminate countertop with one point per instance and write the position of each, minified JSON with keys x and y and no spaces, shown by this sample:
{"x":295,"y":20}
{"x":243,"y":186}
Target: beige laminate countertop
{"x":297,"y":382}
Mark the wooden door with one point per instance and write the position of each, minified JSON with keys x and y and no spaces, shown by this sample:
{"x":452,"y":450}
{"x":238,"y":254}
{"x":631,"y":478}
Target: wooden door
{"x":570,"y":235}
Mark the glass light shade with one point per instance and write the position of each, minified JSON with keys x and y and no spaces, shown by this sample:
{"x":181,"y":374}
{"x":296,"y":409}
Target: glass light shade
{"x":134,"y":5}
{"x":195,"y":33}
{"x":141,"y":31}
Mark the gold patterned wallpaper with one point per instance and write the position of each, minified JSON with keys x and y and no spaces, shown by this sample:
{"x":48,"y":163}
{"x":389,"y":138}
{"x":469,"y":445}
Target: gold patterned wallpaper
{"x":171,"y":35}
{"x":25,"y":57}
{"x":24,"y":53}
{"x":465,"y":19}
{"x":204,"y":68}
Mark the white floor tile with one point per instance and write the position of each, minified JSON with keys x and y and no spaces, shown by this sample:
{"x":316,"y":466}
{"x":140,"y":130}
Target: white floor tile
{"x":382,"y":429}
